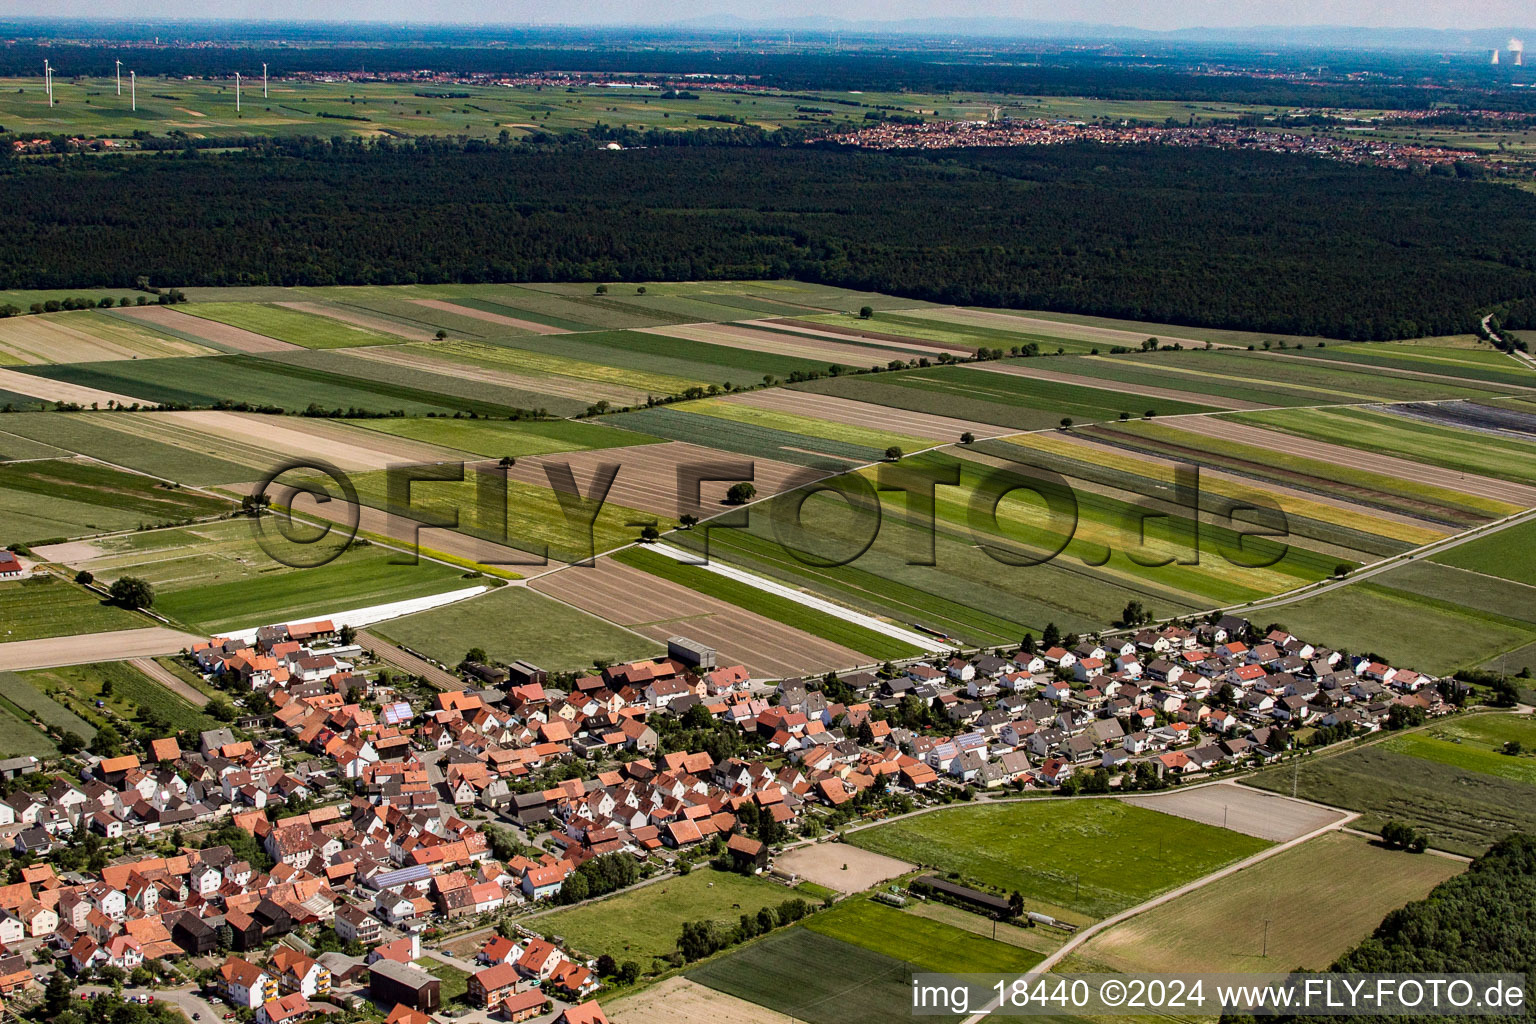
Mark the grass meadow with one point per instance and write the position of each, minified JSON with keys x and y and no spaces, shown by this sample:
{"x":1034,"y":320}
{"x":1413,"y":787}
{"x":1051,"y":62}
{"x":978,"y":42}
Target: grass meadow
{"x":45,"y":606}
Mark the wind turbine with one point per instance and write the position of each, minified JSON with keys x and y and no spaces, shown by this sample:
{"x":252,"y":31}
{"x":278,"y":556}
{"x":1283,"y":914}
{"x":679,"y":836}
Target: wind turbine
{"x":237,"y":92}
{"x":48,"y":80}
{"x":119,"y":76}
{"x":133,"y":88}
{"x":263,"y":81}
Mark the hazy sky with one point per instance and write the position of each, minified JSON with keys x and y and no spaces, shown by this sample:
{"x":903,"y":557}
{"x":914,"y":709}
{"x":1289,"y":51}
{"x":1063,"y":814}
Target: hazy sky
{"x":1152,"y":14}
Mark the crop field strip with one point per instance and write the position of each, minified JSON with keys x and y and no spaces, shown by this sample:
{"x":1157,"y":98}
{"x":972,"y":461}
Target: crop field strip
{"x":1443,"y":506}
{"x":962,"y":327}
{"x":1082,"y":329}
{"x":1376,"y":531}
{"x":84,"y":336}
{"x":213,"y":333}
{"x":420,"y":368}
{"x":772,"y":415}
{"x":355,"y":317}
{"x":1484,"y":364}
{"x":288,"y":325}
{"x":874,"y":646}
{"x":810,"y":352}
{"x":1395,"y":431}
{"x":661,"y":609}
{"x":1509,"y":554}
{"x":498,"y":319}
{"x":1021,"y":403}
{"x":46,"y":606}
{"x":494,"y":439}
{"x":675,"y":423}
{"x":835,"y":329}
{"x":534,"y":363}
{"x":1057,"y":370}
{"x":1343,"y":454}
{"x":676,"y":351}
{"x":70,"y":497}
{"x":63,"y":391}
{"x":832,"y":409}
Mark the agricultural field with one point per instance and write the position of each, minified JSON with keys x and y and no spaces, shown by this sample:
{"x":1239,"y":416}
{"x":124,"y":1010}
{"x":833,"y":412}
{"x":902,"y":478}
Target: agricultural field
{"x":1482,"y":362}
{"x":1410,"y":629}
{"x":1092,"y":858}
{"x":290,"y":325}
{"x":1478,"y":744}
{"x":494,"y":439}
{"x":18,"y":731}
{"x":514,"y":623}
{"x":927,"y":944}
{"x":85,"y":336}
{"x":976,"y":392}
{"x":52,"y":498}
{"x":654,"y":914}
{"x":680,"y":1001}
{"x":813,"y":978}
{"x":217,"y":576}
{"x":1337,"y":889}
{"x":46,"y":606}
{"x":1461,"y":809}
{"x":876,"y":646}
{"x":1509,"y":554}
{"x":1397,"y":432}
{"x":20,"y":693}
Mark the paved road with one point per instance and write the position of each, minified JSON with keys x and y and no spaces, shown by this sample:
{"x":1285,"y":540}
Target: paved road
{"x":387,"y":651}
{"x":117,"y":645}
{"x":171,"y":681}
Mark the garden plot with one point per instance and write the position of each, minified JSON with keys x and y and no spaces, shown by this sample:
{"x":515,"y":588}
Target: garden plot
{"x":212,"y":332}
{"x":84,"y":337}
{"x":661,"y":609}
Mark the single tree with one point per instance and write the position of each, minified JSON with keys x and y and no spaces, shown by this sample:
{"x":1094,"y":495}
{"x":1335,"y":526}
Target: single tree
{"x":131,"y":592}
{"x":649,"y":534}
{"x":688,"y":520}
{"x":967,"y":437}
{"x":348,"y":636}
{"x":893,"y":454}
{"x":602,"y":289}
{"x":85,"y":577}
{"x":740,"y":494}
{"x":1066,"y":421}
{"x":866,"y":312}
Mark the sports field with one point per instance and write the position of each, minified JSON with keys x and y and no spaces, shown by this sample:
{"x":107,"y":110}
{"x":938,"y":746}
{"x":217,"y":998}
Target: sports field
{"x":654,"y":915}
{"x":1095,"y":857}
{"x":1337,"y":889}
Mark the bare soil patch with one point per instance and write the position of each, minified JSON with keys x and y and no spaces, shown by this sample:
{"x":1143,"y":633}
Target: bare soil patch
{"x":1224,"y":805}
{"x":60,"y":391}
{"x":532,"y":326}
{"x":825,"y":864}
{"x":680,"y":1001}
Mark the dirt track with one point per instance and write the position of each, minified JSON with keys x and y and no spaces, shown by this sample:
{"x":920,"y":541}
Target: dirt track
{"x":116,"y":645}
{"x":1118,"y":387}
{"x":1403,"y":469}
{"x":647,"y":478}
{"x":216,"y":334}
{"x":825,"y":864}
{"x":634,"y":598}
{"x":532,"y":326}
{"x":867,"y":415}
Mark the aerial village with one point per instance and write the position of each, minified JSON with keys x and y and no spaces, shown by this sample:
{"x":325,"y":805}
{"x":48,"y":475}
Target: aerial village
{"x":314,"y":857}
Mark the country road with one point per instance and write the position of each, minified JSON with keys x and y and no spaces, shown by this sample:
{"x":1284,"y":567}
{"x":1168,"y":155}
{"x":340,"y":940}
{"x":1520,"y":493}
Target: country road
{"x":116,"y":645}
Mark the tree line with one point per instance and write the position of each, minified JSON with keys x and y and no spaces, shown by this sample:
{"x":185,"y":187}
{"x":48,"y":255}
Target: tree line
{"x":1198,"y":237}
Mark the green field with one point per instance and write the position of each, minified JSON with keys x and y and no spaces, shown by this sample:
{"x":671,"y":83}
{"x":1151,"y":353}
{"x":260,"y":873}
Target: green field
{"x":518,"y":623}
{"x":53,"y":498}
{"x":20,"y":694}
{"x":47,"y":606}
{"x":1410,"y":630}
{"x":1460,"y":811}
{"x":496,"y":438}
{"x":17,"y":732}
{"x":676,"y":423}
{"x":1476,"y":744}
{"x":781,"y":609}
{"x":926,"y":944}
{"x":814,"y":978}
{"x":119,"y":439}
{"x":653,"y":915}
{"x":289,"y":325}
{"x":1095,"y":857}
{"x":807,"y":426}
{"x":1509,"y":554}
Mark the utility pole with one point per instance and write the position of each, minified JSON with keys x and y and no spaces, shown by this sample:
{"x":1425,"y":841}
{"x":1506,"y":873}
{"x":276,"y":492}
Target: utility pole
{"x":1265,"y":952}
{"x":237,"y":92}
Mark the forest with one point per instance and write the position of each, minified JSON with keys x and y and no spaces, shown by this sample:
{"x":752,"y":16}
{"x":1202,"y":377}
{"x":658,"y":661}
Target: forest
{"x":1188,"y":236}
